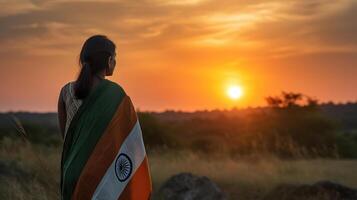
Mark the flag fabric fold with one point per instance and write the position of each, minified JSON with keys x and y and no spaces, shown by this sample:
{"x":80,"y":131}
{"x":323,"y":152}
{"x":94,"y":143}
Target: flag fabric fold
{"x":104,"y":155}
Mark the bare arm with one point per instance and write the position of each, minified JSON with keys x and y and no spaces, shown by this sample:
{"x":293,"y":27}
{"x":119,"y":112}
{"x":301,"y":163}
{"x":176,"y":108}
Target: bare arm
{"x":61,"y":113}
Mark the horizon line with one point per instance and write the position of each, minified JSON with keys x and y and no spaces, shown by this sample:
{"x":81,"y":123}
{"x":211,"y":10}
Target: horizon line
{"x":182,"y":110}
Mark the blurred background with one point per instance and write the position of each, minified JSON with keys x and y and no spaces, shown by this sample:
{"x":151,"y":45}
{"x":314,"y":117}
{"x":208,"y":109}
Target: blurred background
{"x":251,"y":94}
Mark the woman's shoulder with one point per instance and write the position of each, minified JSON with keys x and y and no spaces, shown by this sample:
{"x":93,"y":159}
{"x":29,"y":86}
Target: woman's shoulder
{"x":68,"y":84}
{"x":116,"y":86}
{"x":65,"y":90}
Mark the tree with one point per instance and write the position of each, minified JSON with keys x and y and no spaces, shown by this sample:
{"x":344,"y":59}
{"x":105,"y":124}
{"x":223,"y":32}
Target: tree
{"x":291,"y":99}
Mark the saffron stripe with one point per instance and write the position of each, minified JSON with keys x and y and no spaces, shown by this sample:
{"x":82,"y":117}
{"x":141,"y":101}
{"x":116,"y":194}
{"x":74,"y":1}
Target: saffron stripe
{"x":139,"y":187}
{"x":106,"y":149}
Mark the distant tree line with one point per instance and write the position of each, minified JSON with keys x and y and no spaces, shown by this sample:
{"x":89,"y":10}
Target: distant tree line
{"x":292,"y":125}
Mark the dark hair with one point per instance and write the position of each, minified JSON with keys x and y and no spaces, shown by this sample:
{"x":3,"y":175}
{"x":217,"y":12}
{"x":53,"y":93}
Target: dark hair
{"x":94,"y":57}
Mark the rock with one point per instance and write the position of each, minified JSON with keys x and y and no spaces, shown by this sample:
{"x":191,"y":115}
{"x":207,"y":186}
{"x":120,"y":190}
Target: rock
{"x":186,"y":186}
{"x":324,"y":190}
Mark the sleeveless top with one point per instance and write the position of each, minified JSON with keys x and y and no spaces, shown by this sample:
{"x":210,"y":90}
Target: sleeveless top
{"x":72,"y":104}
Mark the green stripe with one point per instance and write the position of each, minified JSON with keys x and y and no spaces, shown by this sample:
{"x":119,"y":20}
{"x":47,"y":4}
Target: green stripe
{"x":86,"y":128}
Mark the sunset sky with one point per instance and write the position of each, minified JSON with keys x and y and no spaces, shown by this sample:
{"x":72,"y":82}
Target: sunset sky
{"x":182,"y":54}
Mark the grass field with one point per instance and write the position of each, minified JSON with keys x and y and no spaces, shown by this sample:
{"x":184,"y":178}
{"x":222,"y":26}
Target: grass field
{"x":32,"y":172}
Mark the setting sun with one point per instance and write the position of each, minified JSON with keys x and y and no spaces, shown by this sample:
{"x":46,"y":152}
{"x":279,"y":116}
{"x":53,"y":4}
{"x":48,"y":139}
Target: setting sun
{"x":235,"y":92}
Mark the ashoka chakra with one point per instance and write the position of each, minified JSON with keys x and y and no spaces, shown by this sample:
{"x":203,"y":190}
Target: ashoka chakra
{"x":123,"y":167}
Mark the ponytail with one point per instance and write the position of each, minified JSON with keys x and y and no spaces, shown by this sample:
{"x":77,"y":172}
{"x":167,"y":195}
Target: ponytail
{"x":84,"y":82}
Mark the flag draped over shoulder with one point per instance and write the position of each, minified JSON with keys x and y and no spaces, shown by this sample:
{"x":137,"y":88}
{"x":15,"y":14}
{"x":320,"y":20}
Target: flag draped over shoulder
{"x":103,"y":154}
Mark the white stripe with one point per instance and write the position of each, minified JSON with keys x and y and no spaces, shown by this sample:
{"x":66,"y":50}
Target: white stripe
{"x":110,"y":187}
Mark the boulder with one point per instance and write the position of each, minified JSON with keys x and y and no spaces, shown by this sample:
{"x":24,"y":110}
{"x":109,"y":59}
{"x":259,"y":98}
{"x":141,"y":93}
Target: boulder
{"x":186,"y":186}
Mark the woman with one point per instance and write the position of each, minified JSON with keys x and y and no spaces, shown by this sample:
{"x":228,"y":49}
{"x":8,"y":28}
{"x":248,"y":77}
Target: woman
{"x":103,"y":153}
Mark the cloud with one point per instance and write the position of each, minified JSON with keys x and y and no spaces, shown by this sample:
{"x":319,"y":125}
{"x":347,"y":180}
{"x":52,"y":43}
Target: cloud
{"x":309,"y":27}
{"x":275,"y":27}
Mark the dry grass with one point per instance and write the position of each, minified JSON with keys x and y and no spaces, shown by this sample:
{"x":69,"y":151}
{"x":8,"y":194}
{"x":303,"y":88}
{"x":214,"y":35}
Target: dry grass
{"x":22,"y":177}
{"x":253,"y":177}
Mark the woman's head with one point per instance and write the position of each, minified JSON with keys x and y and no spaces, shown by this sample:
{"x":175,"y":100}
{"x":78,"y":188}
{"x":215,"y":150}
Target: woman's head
{"x":97,"y":57}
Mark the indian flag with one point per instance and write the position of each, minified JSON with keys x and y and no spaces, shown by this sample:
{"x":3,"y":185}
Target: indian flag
{"x":104,"y":155}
